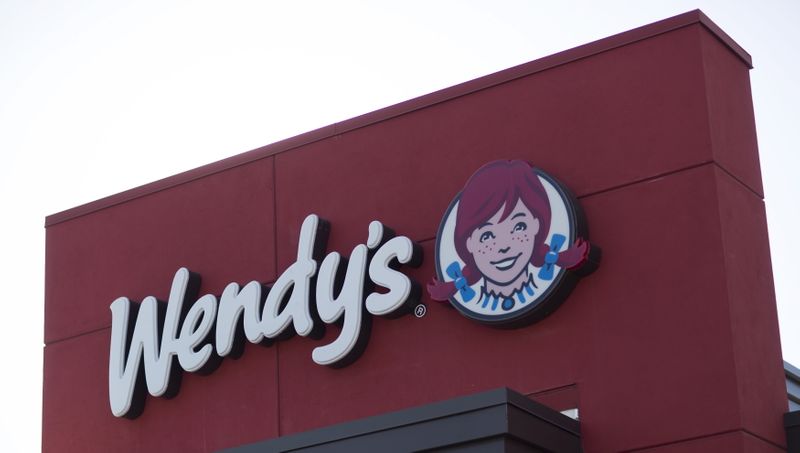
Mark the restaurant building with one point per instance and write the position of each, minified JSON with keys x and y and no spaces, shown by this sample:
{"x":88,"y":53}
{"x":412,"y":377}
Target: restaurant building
{"x":328,"y":293}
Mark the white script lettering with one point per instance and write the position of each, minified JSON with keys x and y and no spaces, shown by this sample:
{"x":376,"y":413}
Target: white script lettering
{"x":195,"y":340}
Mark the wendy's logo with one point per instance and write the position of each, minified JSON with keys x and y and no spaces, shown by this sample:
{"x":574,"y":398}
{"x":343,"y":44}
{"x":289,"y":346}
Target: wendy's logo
{"x":511,"y":246}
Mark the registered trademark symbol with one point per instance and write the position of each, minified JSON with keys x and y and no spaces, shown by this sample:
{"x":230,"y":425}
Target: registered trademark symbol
{"x":420,"y":310}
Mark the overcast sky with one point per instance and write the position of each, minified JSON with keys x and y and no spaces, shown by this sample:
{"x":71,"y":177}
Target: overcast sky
{"x":97,"y":97}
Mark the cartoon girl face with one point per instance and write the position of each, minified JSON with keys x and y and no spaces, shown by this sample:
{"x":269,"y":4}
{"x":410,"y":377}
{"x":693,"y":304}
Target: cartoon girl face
{"x":505,"y":243}
{"x":502,"y":248}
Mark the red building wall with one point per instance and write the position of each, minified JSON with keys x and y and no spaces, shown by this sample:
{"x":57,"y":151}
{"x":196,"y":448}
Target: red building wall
{"x":670,"y":346}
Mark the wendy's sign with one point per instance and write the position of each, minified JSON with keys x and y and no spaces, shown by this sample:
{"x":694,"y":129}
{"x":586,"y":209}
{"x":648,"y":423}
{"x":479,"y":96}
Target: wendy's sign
{"x":509,"y":249}
{"x":510,"y":246}
{"x":152,"y":342}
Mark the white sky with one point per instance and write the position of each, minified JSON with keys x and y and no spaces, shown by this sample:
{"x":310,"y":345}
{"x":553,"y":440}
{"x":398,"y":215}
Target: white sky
{"x":97,"y":97}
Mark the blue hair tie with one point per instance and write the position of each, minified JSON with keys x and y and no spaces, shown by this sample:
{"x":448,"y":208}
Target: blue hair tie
{"x":454,"y":272}
{"x":550,"y":259}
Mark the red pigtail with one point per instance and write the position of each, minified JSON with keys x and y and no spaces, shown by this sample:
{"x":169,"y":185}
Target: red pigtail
{"x":442,"y":291}
{"x":574,"y":256}
{"x":571,"y":258}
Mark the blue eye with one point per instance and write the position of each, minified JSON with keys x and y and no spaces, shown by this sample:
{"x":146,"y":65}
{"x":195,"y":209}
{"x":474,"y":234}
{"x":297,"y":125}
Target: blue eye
{"x":520,"y":226}
{"x":486,"y":235}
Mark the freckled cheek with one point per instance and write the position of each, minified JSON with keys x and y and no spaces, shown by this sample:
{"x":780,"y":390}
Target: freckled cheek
{"x":522,"y":238}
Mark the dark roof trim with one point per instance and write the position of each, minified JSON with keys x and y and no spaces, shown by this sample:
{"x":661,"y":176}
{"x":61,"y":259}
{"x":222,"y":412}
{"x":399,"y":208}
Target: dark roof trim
{"x":791,"y":423}
{"x":463,"y":89}
{"x":496,"y":417}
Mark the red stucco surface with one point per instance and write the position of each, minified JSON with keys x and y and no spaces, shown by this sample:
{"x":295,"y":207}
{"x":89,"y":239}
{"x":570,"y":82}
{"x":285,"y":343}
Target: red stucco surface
{"x":670,"y":346}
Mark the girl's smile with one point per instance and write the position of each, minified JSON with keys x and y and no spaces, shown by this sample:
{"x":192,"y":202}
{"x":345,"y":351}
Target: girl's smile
{"x":506,"y":263}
